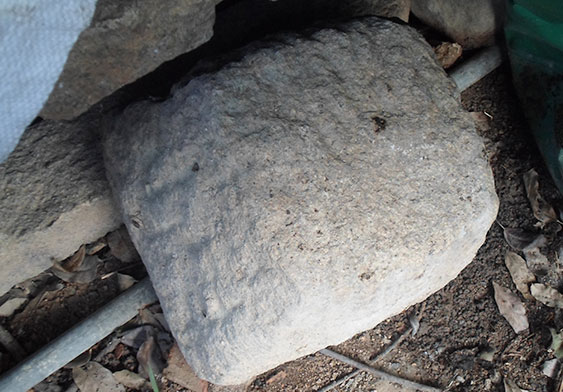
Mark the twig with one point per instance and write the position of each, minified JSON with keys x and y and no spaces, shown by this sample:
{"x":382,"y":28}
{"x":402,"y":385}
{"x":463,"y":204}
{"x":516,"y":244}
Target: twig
{"x":11,"y":344}
{"x":378,"y":373}
{"x":392,"y":346}
{"x":341,"y":380}
{"x":377,"y":357}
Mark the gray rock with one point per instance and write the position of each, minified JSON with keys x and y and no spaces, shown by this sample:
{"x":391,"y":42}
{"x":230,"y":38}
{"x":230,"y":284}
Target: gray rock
{"x":55,"y":197}
{"x":126,"y":40}
{"x":470,"y":23}
{"x":304,"y":193}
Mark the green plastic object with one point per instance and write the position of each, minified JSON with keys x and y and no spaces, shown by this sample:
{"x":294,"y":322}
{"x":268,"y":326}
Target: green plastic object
{"x":534,"y":37}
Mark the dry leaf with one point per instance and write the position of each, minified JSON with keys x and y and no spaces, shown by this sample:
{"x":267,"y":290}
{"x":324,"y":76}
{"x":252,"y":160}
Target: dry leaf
{"x":447,"y":53}
{"x":121,"y":247}
{"x":547,"y":295}
{"x":414,"y":321}
{"x":510,"y":386}
{"x":80,"y":360}
{"x":537,"y":262}
{"x":134,"y":338}
{"x":542,"y":210}
{"x":93,"y":377}
{"x":131,"y":380}
{"x":83,"y":271}
{"x":96,"y":247}
{"x":10,"y":306}
{"x":277,"y":377}
{"x":181,"y":373}
{"x":518,"y":239}
{"x":153,"y":316}
{"x":511,"y":308}
{"x":149,"y":355}
{"x":125,"y":282}
{"x":487,"y":354}
{"x":521,"y":275}
{"x":557,"y":342}
{"x":481,"y":120}
{"x":75,"y":261}
{"x":550,"y":368}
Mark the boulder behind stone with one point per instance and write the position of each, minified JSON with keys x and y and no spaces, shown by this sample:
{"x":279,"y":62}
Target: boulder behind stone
{"x":470,"y":23}
{"x":126,"y":40}
{"x":304,"y":193}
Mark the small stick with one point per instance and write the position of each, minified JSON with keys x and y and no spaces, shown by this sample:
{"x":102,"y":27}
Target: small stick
{"x":378,"y":373}
{"x":341,"y":380}
{"x":392,"y":346}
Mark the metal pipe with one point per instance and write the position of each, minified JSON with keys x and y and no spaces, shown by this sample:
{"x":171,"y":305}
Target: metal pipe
{"x":78,"y":339}
{"x":476,"y":68}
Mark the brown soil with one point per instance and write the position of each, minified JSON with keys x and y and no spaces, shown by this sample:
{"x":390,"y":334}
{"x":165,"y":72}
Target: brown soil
{"x":458,"y":323}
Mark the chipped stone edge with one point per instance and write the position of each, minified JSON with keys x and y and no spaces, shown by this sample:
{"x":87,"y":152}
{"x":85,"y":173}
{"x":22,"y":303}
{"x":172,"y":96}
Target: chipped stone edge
{"x":84,"y":223}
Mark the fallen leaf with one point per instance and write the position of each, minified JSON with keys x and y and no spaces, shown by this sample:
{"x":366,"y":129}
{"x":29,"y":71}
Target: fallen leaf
{"x":550,"y":367}
{"x":93,"y":377}
{"x":447,"y":53}
{"x":135,"y":337}
{"x":547,"y":295}
{"x":511,"y":308}
{"x":131,"y":380}
{"x":414,"y":322}
{"x":96,"y":247}
{"x":31,"y":287}
{"x":119,"y":350}
{"x":276,"y":377}
{"x":518,"y":239}
{"x":83,"y":272}
{"x":536,"y":260}
{"x":149,"y":317}
{"x":165,"y":341}
{"x":121,"y":246}
{"x":487,"y":354}
{"x":557,"y":342}
{"x":510,"y":386}
{"x":179,"y":372}
{"x":75,"y":261}
{"x":542,"y":210}
{"x":521,"y":275}
{"x":149,"y":355}
{"x":481,"y":120}
{"x":80,"y":360}
{"x":10,"y":306}
{"x":125,"y":282}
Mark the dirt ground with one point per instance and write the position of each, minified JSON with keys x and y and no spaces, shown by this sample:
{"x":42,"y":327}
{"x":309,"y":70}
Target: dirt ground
{"x":463,"y":343}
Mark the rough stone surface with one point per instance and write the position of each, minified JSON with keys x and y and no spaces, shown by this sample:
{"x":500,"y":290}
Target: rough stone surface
{"x":470,"y":23}
{"x":126,"y":40}
{"x":316,"y":186}
{"x":55,"y":197}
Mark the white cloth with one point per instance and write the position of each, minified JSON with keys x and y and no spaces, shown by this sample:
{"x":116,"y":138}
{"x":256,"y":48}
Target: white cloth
{"x":36,"y":37}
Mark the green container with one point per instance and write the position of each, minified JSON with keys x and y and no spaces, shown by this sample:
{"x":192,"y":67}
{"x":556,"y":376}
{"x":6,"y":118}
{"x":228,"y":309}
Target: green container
{"x":534,"y":37}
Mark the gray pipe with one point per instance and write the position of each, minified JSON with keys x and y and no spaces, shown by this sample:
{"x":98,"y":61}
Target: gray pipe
{"x":476,"y":68}
{"x":78,"y":339}
{"x":100,"y":324}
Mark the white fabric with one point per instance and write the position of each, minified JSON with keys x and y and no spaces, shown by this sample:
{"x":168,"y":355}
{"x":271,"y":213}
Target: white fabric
{"x":36,"y":37}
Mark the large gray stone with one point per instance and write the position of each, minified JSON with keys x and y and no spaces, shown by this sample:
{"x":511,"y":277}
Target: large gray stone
{"x":470,"y":23}
{"x":55,"y":197}
{"x":313,"y":188}
{"x":126,"y":40}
